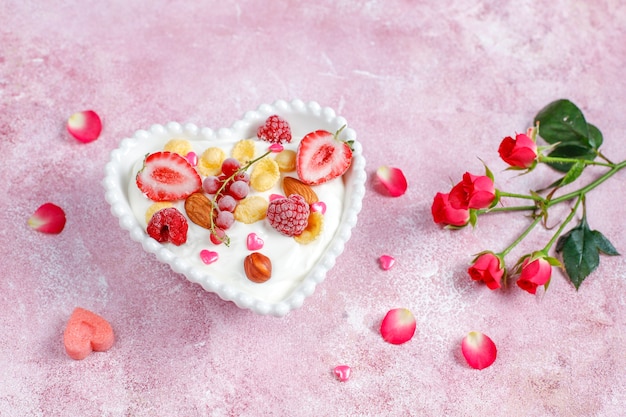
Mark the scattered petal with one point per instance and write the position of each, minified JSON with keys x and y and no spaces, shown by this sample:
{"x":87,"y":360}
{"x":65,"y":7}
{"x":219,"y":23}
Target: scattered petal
{"x":319,"y":206}
{"x":85,"y":126}
{"x":49,"y":218}
{"x":208,"y":256}
{"x":192,"y":158}
{"x":398,"y":326}
{"x":275,"y":197}
{"x":276,"y":147}
{"x":392,"y":179}
{"x":342,"y":372}
{"x":386,"y":262}
{"x":254,"y":242}
{"x":479,"y":350}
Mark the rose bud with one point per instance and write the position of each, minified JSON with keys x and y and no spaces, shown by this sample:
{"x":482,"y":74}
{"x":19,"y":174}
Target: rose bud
{"x":520,"y":152}
{"x":534,"y":273}
{"x":474,"y":192}
{"x":444,"y":213}
{"x":487,"y":267}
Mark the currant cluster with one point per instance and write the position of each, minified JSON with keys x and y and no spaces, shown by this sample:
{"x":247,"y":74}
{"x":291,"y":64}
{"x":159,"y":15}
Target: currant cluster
{"x":227,"y":188}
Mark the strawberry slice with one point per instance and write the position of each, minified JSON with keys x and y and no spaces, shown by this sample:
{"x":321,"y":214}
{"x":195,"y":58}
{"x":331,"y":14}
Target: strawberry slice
{"x":321,"y":156}
{"x":167,"y":176}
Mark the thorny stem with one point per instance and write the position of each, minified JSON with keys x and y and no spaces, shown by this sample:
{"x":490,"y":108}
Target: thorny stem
{"x":521,"y":237}
{"x":581,"y":198}
{"x":553,"y":159}
{"x":547,"y":203}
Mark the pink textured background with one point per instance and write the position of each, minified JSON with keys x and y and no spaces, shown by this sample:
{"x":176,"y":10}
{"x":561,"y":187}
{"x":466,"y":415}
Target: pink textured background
{"x":428,"y":86}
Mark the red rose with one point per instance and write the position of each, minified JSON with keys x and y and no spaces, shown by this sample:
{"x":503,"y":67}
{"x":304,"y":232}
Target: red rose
{"x":534,"y":273}
{"x":475,"y":192}
{"x":488,"y":268}
{"x":520,"y":152}
{"x":444,"y":213}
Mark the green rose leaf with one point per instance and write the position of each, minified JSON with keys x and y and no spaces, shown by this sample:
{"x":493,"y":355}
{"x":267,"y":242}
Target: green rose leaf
{"x":580,"y":249}
{"x":562,"y":121}
{"x":595,"y":136}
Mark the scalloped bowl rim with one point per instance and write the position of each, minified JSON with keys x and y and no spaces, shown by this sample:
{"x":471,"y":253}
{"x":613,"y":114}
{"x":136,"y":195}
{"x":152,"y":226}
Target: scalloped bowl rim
{"x":116,"y":181}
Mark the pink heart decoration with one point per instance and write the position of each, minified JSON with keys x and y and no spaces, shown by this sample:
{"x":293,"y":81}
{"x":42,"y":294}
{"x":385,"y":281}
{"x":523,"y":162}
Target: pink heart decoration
{"x":254,"y":242}
{"x":386,"y":262}
{"x":342,"y":372}
{"x":319,"y":206}
{"x":208,"y":257}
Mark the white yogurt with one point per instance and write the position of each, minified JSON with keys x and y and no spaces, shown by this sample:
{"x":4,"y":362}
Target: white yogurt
{"x":291,"y":261}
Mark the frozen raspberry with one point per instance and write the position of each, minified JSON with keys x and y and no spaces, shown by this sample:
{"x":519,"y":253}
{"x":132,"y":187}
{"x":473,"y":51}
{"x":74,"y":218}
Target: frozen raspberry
{"x":289,"y":215}
{"x":275,"y":130}
{"x":168,"y":225}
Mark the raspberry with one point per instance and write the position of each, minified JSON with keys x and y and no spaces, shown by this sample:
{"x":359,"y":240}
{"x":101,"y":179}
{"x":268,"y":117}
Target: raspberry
{"x":168,"y":225}
{"x":289,"y":215}
{"x":275,"y":130}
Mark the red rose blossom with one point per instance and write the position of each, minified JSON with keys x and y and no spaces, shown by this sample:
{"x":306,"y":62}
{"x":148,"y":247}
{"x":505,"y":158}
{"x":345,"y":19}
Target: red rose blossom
{"x":488,"y":268}
{"x":520,"y":152}
{"x":444,"y":213}
{"x":474,"y":192}
{"x":534,"y":273}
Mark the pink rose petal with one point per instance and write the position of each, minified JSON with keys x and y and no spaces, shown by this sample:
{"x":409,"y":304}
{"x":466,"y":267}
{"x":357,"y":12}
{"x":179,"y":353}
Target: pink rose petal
{"x":392,"y":179}
{"x":342,"y":372}
{"x":386,"y":262}
{"x":319,"y":206}
{"x":49,"y":218}
{"x":479,"y":350}
{"x":208,"y":256}
{"x":398,"y":326}
{"x":254,"y":242}
{"x":85,"y":126}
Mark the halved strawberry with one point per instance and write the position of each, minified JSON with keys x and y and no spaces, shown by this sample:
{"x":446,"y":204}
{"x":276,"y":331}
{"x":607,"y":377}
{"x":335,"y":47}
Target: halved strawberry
{"x":321,"y":156}
{"x":167,"y":176}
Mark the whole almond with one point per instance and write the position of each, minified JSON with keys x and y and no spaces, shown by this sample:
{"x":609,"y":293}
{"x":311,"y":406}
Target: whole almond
{"x":258,"y":267}
{"x":293,"y":185}
{"x":199,"y":209}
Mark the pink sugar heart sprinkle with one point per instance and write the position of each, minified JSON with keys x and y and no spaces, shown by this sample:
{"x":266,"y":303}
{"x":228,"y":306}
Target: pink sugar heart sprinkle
{"x":192,"y":158}
{"x":208,"y":257}
{"x":276,"y":147}
{"x":254,"y":242}
{"x":386,"y":262}
{"x":342,"y":372}
{"x":319,"y":206}
{"x":275,"y":197}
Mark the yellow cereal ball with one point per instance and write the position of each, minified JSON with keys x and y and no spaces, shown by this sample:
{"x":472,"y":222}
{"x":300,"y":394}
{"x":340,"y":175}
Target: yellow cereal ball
{"x":243,"y":151}
{"x":286,"y":160}
{"x":179,"y":146}
{"x":313,"y":228}
{"x":210,"y":162}
{"x":264,"y":175}
{"x":251,"y":209}
{"x":156,"y":207}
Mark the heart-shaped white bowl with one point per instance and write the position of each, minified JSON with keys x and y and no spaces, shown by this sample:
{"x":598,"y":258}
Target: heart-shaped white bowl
{"x":303,"y":118}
